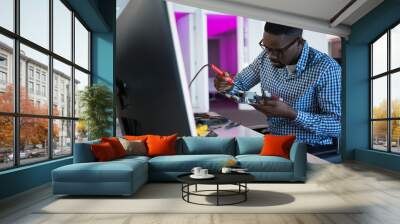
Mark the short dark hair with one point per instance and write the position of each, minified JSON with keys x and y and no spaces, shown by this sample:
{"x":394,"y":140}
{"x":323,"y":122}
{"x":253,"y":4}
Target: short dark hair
{"x":278,"y":29}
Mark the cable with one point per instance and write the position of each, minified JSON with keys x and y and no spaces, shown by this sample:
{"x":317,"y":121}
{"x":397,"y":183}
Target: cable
{"x":191,"y":81}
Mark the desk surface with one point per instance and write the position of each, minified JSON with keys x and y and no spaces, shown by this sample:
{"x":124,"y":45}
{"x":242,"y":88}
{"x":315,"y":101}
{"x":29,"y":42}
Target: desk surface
{"x":233,"y":132}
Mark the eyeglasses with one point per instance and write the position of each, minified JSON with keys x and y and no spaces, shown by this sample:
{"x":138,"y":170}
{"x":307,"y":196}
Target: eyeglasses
{"x":277,"y":52}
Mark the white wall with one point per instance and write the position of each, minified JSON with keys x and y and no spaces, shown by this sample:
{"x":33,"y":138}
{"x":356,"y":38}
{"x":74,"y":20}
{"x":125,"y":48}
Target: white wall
{"x":316,"y":40}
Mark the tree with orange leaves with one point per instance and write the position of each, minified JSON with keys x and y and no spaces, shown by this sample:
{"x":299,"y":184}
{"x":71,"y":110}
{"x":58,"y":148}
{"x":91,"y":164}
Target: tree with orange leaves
{"x":33,"y":131}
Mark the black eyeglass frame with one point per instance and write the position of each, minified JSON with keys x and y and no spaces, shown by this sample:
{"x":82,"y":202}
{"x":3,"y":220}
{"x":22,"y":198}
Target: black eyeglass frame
{"x":278,"y":52}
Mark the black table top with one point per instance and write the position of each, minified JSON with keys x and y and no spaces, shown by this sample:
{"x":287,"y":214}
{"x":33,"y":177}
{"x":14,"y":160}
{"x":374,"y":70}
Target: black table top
{"x":220,"y":178}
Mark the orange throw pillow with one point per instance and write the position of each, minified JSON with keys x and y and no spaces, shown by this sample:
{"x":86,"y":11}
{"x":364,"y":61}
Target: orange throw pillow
{"x":161,"y":145}
{"x":103,"y":152}
{"x":136,"y":137}
{"x":116,"y":145}
{"x":277,"y":145}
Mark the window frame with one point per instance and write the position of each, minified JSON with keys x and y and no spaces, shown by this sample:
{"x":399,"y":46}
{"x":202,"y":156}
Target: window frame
{"x":388,"y":74}
{"x":16,"y":114}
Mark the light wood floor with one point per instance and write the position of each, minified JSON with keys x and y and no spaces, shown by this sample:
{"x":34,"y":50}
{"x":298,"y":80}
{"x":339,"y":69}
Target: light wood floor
{"x":377,"y":188}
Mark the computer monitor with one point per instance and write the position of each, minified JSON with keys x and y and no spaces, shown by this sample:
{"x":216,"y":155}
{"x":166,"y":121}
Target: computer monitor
{"x":152,"y":90}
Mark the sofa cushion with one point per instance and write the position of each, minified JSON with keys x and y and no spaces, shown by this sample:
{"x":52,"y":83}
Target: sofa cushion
{"x":161,"y":145}
{"x":83,"y":152}
{"x":103,"y":152}
{"x":134,"y":147}
{"x":185,"y":163}
{"x":257,"y":163}
{"x":207,"y":145}
{"x":249,"y":145}
{"x":277,"y":145}
{"x":112,"y":171}
{"x":116,"y":145}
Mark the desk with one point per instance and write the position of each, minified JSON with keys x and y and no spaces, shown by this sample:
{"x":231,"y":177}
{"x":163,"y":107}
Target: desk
{"x":238,"y":131}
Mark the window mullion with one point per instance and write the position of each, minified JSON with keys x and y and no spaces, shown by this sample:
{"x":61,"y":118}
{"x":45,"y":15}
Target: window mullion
{"x":16,"y":84}
{"x":389,"y":106}
{"x":50,"y":81}
{"x":73,"y":82}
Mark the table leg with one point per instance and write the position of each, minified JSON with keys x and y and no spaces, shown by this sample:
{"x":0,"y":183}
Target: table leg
{"x":245,"y":193}
{"x":196,"y":188}
{"x":217,"y":194}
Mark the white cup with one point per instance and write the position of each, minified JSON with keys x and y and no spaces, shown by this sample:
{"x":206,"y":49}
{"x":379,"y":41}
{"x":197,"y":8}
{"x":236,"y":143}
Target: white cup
{"x":203,"y":172}
{"x":226,"y":170}
{"x":196,"y":171}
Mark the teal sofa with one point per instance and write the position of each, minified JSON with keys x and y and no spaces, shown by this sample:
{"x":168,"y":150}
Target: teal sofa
{"x":125,"y":176}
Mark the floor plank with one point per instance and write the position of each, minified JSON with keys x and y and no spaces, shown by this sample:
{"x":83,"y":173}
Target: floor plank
{"x":377,"y":190}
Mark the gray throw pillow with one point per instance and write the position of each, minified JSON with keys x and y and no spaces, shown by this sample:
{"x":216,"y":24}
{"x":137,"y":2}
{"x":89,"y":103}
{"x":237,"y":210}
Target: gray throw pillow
{"x":134,"y":147}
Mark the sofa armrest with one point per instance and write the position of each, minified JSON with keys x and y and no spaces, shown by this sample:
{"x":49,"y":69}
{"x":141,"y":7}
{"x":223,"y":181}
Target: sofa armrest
{"x":83,"y":152}
{"x":298,"y":155}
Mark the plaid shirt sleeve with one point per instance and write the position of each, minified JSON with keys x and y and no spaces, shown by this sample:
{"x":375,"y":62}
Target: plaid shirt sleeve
{"x":249,"y":76}
{"x":327,"y":121}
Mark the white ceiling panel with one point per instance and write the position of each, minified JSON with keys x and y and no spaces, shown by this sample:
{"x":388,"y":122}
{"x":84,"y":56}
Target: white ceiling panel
{"x":325,"y":16}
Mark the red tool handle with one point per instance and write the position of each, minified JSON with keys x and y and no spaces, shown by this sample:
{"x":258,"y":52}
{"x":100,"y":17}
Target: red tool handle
{"x":221,"y":74}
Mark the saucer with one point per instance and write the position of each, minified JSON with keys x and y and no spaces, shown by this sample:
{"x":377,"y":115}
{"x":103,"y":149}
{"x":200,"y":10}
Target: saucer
{"x":208,"y":176}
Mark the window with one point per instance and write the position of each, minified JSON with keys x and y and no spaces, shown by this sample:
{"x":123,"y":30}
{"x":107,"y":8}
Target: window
{"x":6,"y":73}
{"x":30,"y":88}
{"x":62,"y":29}
{"x":81,"y":45}
{"x":38,"y":89}
{"x":62,"y":74}
{"x":3,"y":61}
{"x":7,"y":14}
{"x":37,"y":75}
{"x":385,"y":94}
{"x":30,"y":72}
{"x":47,"y":74}
{"x":35,"y":21}
{"x":6,"y":142}
{"x":3,"y":78}
{"x":44,"y":91}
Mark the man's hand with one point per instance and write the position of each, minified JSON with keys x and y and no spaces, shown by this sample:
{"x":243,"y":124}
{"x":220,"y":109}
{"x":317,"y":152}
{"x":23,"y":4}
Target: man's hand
{"x":220,"y":84}
{"x":276,"y":108}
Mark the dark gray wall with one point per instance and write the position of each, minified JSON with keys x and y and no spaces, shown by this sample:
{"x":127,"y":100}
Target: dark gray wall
{"x":147,"y":77}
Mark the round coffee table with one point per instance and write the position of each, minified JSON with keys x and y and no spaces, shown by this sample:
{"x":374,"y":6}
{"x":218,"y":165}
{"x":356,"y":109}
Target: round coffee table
{"x":238,"y":179}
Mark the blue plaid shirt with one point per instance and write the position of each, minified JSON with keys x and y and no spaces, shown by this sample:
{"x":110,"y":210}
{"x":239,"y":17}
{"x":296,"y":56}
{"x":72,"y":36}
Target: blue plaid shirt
{"x":313,"y":90}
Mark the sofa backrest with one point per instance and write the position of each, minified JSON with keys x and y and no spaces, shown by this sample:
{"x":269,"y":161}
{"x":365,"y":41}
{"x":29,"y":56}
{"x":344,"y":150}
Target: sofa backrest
{"x":206,"y":145}
{"x":83,"y":152}
{"x":249,"y":145}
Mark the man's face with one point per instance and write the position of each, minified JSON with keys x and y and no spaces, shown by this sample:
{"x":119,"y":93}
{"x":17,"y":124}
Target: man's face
{"x":282,"y":49}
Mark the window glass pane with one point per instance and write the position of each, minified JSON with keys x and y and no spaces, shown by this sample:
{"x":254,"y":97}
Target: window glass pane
{"x":81,"y":81}
{"x":379,"y":135}
{"x":62,"y":29}
{"x":33,"y":140}
{"x":62,"y":89}
{"x":81,"y":45}
{"x":379,"y":97}
{"x":35,"y":21}
{"x":6,"y":142}
{"x":6,"y":74}
{"x":7,"y":14}
{"x":34,"y":97}
{"x":395,"y":94}
{"x":62,"y":138}
{"x":81,"y":131}
{"x":379,"y":55}
{"x":395,"y":47}
{"x":395,"y":136}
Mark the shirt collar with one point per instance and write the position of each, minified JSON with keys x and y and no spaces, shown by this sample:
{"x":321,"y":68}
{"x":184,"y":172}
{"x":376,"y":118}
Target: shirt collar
{"x":302,"y":62}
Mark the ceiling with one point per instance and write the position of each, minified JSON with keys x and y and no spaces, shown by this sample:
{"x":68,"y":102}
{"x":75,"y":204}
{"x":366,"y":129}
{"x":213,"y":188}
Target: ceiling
{"x":325,"y":16}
